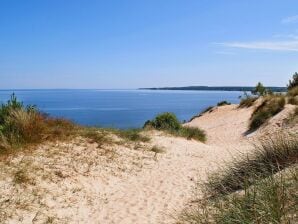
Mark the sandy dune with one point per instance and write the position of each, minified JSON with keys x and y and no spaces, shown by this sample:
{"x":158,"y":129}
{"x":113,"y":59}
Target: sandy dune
{"x":75,"y":183}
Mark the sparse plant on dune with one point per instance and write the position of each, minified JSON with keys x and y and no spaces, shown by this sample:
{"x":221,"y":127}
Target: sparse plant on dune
{"x":270,"y":106}
{"x":247,"y":100}
{"x":223,"y":103}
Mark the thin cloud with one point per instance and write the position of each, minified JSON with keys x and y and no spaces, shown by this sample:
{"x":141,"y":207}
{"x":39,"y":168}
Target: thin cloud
{"x":290,"y":45}
{"x":225,"y":52}
{"x":290,"y":19}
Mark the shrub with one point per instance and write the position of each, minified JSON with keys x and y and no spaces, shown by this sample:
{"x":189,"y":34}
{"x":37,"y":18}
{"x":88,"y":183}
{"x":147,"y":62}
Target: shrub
{"x":270,"y":107}
{"x":169,"y":122}
{"x":165,"y":121}
{"x":222,"y":103}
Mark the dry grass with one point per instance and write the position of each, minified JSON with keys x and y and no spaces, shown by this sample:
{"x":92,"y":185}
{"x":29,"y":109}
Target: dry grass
{"x":293,"y":92}
{"x":22,"y":128}
{"x":293,"y":100}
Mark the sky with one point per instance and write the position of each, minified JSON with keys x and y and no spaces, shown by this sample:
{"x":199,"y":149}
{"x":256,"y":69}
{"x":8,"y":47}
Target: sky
{"x":146,"y":43}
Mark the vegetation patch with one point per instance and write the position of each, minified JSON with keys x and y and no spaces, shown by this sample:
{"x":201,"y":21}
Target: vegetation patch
{"x":260,"y":188}
{"x":271,"y":200}
{"x":22,"y":126}
{"x":133,"y":135}
{"x":293,"y":100}
{"x":223,"y":103}
{"x":192,"y":133}
{"x":270,"y":107}
{"x":293,"y":92}
{"x":168,"y":122}
{"x":270,"y":156}
{"x":248,"y":101}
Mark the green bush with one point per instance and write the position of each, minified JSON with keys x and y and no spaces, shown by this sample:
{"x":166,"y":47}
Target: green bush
{"x":222,"y":103}
{"x":164,"y":121}
{"x":270,"y":107}
{"x":168,"y":122}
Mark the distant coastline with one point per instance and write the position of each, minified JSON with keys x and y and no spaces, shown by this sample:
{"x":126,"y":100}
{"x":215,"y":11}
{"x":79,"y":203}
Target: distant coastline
{"x":218,"y":88}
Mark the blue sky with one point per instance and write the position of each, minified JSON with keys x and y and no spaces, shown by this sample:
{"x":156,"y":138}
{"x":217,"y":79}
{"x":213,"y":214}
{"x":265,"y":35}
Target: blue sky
{"x":146,"y":43}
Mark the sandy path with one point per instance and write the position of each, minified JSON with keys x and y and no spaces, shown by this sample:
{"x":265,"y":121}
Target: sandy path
{"x":156,"y":193}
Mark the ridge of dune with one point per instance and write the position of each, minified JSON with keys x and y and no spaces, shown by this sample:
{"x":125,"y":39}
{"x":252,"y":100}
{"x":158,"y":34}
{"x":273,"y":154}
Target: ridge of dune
{"x":75,"y":183}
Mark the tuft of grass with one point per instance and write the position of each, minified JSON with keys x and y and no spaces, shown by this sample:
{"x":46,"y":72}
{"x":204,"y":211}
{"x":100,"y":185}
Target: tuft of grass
{"x":270,"y":107}
{"x":192,"y":133}
{"x":260,"y":188}
{"x":95,"y":135}
{"x":223,"y":103}
{"x":247,"y":102}
{"x":21,"y":177}
{"x":208,"y":109}
{"x":168,"y":122}
{"x":271,"y":155}
{"x":133,"y":135}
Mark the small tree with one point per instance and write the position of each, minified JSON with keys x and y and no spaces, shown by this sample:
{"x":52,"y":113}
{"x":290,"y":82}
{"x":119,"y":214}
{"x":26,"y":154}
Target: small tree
{"x":294,"y":82}
{"x":259,"y":90}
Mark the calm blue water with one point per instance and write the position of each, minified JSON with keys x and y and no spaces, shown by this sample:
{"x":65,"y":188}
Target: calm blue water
{"x":119,"y":108}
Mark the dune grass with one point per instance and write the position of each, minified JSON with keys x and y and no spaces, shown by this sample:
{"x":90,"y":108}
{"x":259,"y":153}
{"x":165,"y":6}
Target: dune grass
{"x":21,"y":126}
{"x":248,"y":101}
{"x":293,"y":91}
{"x":223,"y":103}
{"x":270,"y":156}
{"x":259,"y":188}
{"x":168,"y":122}
{"x":293,"y":100}
{"x":270,"y":106}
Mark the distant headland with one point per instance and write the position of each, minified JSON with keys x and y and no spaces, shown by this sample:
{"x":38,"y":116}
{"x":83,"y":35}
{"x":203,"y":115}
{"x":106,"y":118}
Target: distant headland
{"x":218,"y":88}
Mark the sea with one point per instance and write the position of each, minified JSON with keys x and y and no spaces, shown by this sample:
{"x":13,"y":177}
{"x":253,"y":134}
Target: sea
{"x":119,"y":108}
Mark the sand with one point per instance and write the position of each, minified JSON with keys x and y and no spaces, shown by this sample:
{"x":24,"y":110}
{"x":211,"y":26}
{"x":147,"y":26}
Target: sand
{"x":77,"y":182}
